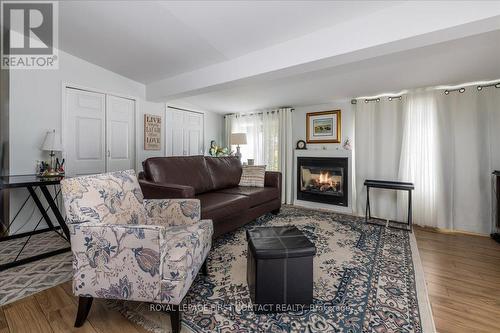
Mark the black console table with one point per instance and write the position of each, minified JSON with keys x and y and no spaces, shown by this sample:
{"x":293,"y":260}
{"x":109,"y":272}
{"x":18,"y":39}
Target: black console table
{"x":390,"y":185}
{"x":30,"y":182}
{"x":496,"y":234}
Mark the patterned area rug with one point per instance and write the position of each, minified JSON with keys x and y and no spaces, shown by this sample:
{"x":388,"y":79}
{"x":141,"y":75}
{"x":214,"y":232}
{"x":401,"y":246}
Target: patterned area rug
{"x":25,"y":280}
{"x":366,"y":279}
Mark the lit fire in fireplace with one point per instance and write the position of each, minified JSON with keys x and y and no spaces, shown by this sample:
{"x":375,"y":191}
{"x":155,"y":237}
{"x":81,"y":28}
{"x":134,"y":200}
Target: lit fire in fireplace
{"x":324,"y":178}
{"x":323,"y":181}
{"x":326,"y":182}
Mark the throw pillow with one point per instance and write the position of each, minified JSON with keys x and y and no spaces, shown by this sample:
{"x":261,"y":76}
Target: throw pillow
{"x":253,"y":175}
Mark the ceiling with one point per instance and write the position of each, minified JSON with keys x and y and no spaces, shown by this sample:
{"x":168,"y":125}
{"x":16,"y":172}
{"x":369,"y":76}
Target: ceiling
{"x":152,"y":40}
{"x":468,"y":59}
{"x":232,"y":56}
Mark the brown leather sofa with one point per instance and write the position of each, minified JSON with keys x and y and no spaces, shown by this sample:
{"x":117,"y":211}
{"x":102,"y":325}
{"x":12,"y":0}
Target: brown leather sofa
{"x":213,"y":180}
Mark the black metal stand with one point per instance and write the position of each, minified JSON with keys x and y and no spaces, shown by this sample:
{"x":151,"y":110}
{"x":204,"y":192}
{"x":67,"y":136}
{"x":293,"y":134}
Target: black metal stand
{"x":496,"y":235}
{"x":30,"y":183}
{"x":390,"y":185}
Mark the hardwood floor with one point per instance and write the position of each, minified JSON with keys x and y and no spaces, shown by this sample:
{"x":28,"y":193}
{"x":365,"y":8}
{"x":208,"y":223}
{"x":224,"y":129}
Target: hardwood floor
{"x":462,"y":274}
{"x":463,"y":280}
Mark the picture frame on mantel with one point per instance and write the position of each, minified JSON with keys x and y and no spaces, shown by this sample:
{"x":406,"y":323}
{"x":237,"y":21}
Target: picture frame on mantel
{"x":323,"y":127}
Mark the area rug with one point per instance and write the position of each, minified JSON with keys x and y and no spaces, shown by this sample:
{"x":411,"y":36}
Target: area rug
{"x":31,"y":278}
{"x":367,"y":278}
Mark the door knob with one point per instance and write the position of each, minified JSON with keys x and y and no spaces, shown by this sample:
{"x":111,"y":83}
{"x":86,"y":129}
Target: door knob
{"x":109,"y":153}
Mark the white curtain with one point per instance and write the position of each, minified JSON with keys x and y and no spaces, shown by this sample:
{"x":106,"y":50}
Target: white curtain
{"x":448,"y":150}
{"x":269,"y":142}
{"x":420,"y":159}
{"x":469,"y":127}
{"x":286,"y":154}
{"x":378,"y":137}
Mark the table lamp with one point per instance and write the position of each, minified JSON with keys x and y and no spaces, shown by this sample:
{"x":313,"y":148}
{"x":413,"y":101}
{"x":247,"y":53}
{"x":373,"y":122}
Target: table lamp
{"x":52,"y":143}
{"x":238,"y":139}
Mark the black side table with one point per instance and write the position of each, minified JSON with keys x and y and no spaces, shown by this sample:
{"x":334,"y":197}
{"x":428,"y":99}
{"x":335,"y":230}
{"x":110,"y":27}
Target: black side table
{"x":30,"y":182}
{"x":390,"y":185}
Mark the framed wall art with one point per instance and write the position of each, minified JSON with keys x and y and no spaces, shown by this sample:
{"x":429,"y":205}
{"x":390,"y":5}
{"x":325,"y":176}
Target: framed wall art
{"x":152,"y":132}
{"x":323,"y":127}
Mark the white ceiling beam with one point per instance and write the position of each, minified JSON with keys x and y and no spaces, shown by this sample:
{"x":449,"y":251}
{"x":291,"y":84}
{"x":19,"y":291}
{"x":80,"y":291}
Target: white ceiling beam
{"x":397,"y":28}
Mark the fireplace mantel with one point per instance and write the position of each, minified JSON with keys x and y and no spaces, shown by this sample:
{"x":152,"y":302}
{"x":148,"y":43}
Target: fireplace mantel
{"x":324,"y":153}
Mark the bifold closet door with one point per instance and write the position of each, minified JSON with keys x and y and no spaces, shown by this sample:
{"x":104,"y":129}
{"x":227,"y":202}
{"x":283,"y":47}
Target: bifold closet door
{"x":85,"y":135}
{"x":186,"y":133}
{"x":99,"y":134}
{"x":120,"y":133}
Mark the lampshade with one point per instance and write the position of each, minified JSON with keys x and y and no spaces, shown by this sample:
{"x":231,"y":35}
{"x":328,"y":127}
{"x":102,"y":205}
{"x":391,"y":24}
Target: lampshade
{"x":52,"y":141}
{"x":238,"y":138}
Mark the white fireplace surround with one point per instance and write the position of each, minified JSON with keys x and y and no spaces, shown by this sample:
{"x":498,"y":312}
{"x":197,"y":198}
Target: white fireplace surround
{"x":324,"y":153}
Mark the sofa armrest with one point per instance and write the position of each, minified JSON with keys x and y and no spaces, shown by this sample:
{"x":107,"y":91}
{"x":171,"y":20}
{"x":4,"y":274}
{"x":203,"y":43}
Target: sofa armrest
{"x":273,"y":179}
{"x":171,"y":212}
{"x":153,"y":190}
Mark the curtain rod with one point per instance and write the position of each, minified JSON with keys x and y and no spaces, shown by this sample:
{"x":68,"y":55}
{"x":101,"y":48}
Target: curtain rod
{"x":461,"y":90}
{"x":479,"y":88}
{"x":252,"y":113}
{"x":181,"y":109}
{"x":367,"y":100}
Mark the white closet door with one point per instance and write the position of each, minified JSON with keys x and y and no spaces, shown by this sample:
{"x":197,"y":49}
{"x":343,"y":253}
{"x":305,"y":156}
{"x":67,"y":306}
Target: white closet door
{"x":177,"y":138}
{"x":186,"y":133}
{"x":85,"y":133}
{"x":193,"y":133}
{"x":120,"y":131}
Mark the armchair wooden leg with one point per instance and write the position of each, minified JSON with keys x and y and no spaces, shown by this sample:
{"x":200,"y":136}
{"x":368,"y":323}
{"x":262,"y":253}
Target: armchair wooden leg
{"x":204,"y":267}
{"x":276,"y":211}
{"x":84,"y":304}
{"x":175,"y":319}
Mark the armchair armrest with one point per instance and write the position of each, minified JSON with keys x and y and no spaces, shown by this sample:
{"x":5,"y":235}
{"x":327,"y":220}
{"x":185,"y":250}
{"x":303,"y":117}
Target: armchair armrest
{"x":152,"y":190}
{"x":171,"y":212}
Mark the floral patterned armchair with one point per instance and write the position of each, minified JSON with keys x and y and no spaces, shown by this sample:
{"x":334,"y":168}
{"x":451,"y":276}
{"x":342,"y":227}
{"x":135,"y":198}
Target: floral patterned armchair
{"x":125,"y":247}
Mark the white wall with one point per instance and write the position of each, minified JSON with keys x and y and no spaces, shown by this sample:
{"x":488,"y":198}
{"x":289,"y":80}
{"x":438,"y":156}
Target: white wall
{"x":156,"y":109}
{"x":347,"y":121}
{"x":36,"y":107}
{"x":214,"y":129}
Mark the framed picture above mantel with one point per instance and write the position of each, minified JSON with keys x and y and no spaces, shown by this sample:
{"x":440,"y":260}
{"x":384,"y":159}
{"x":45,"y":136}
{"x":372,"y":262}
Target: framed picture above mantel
{"x":323,"y":127}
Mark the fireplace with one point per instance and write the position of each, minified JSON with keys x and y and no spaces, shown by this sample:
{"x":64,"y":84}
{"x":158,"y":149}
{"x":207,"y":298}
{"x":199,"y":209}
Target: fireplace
{"x":323,"y":179}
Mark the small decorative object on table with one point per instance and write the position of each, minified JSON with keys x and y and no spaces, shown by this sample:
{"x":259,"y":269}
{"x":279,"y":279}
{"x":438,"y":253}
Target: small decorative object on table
{"x":279,"y":268}
{"x":301,"y":144}
{"x":250,"y":161}
{"x":347,"y":144}
{"x":217,"y":151}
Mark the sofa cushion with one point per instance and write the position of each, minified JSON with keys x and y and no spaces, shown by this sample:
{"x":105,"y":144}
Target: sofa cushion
{"x":225,"y":171}
{"x":253,"y":175}
{"x":182,"y":170}
{"x":257,"y":195}
{"x":215,"y":205}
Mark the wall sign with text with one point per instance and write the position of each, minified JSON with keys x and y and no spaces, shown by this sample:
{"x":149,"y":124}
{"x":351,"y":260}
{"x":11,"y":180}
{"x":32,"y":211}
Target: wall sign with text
{"x":152,"y":132}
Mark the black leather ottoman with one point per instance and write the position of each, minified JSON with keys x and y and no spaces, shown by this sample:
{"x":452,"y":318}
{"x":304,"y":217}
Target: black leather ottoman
{"x":279,"y":269}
